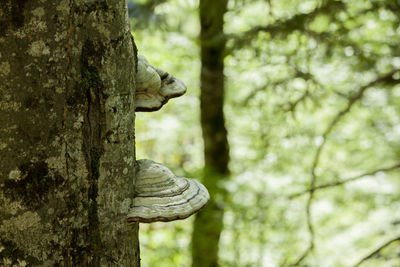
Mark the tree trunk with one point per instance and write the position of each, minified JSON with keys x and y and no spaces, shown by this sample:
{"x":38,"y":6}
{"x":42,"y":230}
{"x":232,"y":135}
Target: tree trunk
{"x":67,"y":154}
{"x":209,"y":223}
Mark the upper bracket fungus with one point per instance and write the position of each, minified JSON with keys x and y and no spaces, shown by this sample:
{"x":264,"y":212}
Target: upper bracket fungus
{"x":154,"y":86}
{"x":162,"y":196}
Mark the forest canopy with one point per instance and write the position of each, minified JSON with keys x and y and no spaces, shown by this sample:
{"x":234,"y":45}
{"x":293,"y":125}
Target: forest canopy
{"x":312,"y":110}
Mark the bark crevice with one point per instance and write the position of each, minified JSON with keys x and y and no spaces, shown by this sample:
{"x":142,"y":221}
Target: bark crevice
{"x":93,"y":133}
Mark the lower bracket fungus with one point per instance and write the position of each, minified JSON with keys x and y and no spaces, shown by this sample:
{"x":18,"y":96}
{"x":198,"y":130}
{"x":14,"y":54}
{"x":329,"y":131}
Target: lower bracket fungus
{"x":162,"y":196}
{"x":154,"y":86}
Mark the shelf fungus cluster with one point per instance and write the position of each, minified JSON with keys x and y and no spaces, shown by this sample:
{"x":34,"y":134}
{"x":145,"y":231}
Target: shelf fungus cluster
{"x":162,"y":196}
{"x":154,"y":86}
{"x":159,"y":194}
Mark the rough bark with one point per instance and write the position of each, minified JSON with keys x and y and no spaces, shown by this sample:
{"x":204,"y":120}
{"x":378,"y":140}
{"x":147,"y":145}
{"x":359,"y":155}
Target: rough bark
{"x":209,"y":223}
{"x":67,"y":155}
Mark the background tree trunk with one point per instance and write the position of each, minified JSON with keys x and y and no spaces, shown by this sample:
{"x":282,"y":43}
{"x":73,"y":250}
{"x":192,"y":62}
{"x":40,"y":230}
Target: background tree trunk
{"x":209,"y":223}
{"x":67,"y":155}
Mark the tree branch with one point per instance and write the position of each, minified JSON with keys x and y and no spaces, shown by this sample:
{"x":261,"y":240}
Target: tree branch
{"x":376,"y":251}
{"x":297,"y":22}
{"x":291,"y":106}
{"x":344,"y":181}
{"x":303,"y":256}
{"x":353,"y":99}
{"x":357,"y":96}
{"x":300,"y":22}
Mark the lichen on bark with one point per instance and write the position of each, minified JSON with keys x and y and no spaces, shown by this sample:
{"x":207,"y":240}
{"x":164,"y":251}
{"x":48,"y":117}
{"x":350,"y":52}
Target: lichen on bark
{"x":67,"y":159}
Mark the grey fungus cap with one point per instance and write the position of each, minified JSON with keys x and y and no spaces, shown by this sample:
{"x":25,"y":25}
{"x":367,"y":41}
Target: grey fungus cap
{"x":162,"y":196}
{"x":154,"y":86}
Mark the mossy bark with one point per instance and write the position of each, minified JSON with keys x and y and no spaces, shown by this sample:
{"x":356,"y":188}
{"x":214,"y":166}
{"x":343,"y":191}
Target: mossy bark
{"x":209,"y":223}
{"x":67,"y":152}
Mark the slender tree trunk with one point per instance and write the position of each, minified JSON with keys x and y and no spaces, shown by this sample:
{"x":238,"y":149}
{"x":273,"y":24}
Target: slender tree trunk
{"x":67,"y":155}
{"x":209,"y":223}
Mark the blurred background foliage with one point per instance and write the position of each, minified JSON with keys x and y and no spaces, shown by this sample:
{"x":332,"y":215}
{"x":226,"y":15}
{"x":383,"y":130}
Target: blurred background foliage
{"x":312,"y":107}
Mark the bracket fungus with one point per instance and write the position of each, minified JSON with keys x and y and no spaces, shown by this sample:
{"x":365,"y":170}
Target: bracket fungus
{"x":154,"y":86}
{"x":162,"y":196}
